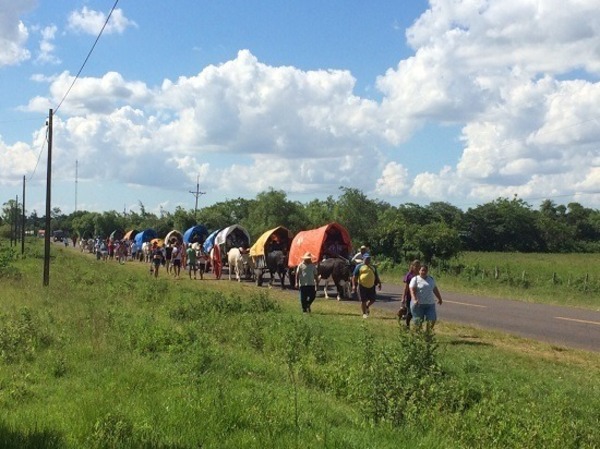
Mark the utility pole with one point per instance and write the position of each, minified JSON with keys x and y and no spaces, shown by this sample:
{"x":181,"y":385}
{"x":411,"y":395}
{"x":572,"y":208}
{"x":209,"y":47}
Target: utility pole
{"x":197,"y":194}
{"x":48,"y":193}
{"x":23,"y":221}
{"x":76,"y":181}
{"x":14,"y":220}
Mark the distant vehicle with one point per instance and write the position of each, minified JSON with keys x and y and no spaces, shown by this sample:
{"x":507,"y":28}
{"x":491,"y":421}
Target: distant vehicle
{"x":58,"y":235}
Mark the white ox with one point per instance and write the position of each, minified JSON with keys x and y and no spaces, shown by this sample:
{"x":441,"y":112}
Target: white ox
{"x":240,"y":263}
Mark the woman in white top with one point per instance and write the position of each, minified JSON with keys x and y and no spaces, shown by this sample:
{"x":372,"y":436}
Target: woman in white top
{"x":424,"y":293}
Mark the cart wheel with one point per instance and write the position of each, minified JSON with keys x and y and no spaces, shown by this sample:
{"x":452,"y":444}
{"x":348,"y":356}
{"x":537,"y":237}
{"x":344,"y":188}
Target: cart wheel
{"x":217,"y":264}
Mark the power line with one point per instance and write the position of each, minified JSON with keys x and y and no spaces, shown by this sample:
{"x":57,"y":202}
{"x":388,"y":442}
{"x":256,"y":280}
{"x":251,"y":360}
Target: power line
{"x":86,"y":58}
{"x":39,"y":154}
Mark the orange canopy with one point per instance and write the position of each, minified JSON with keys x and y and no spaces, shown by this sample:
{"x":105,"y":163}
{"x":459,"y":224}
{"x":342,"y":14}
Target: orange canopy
{"x":319,"y":243}
{"x":129,"y":235}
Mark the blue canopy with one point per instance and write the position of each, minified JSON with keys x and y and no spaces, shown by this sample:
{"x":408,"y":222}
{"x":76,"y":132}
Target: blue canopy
{"x":195,"y":234}
{"x":210,"y":241}
{"x":144,"y":236}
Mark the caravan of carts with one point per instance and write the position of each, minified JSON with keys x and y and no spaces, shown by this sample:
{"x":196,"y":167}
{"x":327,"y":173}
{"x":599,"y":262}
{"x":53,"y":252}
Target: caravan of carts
{"x":272,"y":257}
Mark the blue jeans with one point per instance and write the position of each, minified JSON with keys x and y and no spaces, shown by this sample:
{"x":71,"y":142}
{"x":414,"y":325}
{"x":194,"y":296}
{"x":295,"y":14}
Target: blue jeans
{"x":423,"y":311}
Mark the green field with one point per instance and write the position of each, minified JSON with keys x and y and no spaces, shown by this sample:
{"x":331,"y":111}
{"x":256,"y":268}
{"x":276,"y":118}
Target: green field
{"x":108,"y":357}
{"x":563,"y":279}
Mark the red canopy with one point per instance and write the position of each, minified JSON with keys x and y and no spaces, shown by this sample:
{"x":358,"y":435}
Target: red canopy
{"x":332,"y":239}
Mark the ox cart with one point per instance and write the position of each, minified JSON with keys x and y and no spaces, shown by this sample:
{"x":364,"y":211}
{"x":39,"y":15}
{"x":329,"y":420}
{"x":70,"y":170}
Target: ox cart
{"x":219,"y":243}
{"x":269,"y":254}
{"x":330,"y":247}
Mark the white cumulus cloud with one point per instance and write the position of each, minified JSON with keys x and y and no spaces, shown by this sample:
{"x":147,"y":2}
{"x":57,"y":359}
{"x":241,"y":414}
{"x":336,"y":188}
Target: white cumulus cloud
{"x":13,"y":32}
{"x":91,"y":22}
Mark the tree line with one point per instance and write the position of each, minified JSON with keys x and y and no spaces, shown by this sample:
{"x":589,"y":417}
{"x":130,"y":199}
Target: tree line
{"x":436,"y":231}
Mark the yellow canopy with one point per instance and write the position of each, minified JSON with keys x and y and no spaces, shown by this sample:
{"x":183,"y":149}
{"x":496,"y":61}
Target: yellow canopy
{"x":258,"y":249}
{"x":159,"y":242}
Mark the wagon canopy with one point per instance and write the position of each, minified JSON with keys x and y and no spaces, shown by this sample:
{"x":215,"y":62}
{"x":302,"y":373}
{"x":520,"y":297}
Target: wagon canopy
{"x":130,"y":235}
{"x":278,"y":238}
{"x":330,"y":240}
{"x":234,"y":236}
{"x":210,"y":241}
{"x":195,"y":234}
{"x":117,"y":234}
{"x":159,"y":242}
{"x":144,"y":236}
{"x":174,"y":235}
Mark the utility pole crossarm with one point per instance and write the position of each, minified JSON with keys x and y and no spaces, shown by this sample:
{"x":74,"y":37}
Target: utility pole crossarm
{"x":197,"y":194}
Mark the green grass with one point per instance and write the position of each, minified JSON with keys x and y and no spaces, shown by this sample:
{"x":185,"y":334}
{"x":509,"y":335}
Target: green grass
{"x":108,"y":357}
{"x":563,"y":279}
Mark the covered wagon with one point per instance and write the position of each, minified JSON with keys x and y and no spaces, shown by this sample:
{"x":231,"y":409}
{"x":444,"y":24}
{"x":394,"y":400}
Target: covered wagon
{"x":331,"y":240}
{"x":173,"y":236}
{"x":270,"y":254}
{"x":330,"y":247}
{"x":220,"y":242}
{"x":195,"y":234}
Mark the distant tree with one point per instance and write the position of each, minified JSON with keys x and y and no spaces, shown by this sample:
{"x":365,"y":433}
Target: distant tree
{"x":318,"y":213}
{"x":84,"y":225}
{"x":387,"y":238}
{"x":107,"y":222}
{"x":10,"y":210}
{"x":357,"y":214}
{"x":557,"y":235}
{"x":272,"y":209}
{"x":579,"y":217}
{"x":413,"y":214}
{"x":446,"y":213}
{"x":225,"y":213}
{"x":502,"y":225}
{"x":183,"y":219}
{"x":433,"y":240}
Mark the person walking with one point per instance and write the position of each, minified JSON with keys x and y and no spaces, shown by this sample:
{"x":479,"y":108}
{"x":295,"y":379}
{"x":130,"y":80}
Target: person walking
{"x":169,"y":255}
{"x":404,"y":311}
{"x":177,"y":259}
{"x":365,"y":279}
{"x":191,"y":260}
{"x":423,"y":295}
{"x":157,"y":258}
{"x":307,"y":281}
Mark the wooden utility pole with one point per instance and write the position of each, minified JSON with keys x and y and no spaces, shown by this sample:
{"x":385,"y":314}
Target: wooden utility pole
{"x":23,"y":221}
{"x":197,"y":194}
{"x":48,"y":194}
{"x":76,"y":181}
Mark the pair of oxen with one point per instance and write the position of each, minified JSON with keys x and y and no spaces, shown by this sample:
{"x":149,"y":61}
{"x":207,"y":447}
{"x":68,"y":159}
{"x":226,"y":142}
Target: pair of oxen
{"x":334,"y":269}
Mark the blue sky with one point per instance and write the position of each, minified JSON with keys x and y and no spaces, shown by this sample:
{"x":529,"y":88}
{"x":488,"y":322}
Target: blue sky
{"x":443,"y":100}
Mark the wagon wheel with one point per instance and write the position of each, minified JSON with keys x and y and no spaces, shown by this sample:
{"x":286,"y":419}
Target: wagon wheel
{"x":216,"y":262}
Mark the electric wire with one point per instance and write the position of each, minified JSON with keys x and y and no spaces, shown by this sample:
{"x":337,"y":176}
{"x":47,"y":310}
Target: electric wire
{"x":39,"y":155}
{"x":87,"y":57}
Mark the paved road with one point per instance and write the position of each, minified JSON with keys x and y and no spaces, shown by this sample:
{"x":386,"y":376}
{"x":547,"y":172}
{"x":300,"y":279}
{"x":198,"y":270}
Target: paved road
{"x":562,"y":326}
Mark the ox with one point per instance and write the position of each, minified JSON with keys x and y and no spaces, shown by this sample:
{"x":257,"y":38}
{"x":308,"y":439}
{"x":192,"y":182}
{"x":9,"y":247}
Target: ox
{"x":240,"y":263}
{"x":338,"y":270}
{"x":145,"y":254}
{"x":277,"y":262}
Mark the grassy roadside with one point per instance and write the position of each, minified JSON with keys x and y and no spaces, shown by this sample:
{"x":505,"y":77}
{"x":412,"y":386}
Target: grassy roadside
{"x":109,"y":357}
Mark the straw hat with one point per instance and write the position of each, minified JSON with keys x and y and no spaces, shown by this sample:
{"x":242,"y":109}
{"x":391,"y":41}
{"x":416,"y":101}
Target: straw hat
{"x":307,"y":256}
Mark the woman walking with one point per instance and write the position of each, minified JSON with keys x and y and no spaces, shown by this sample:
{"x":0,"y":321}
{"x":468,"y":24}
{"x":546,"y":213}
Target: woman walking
{"x":423,"y":294}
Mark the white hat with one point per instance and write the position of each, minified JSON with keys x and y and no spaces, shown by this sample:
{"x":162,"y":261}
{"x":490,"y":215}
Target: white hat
{"x":307,"y":256}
